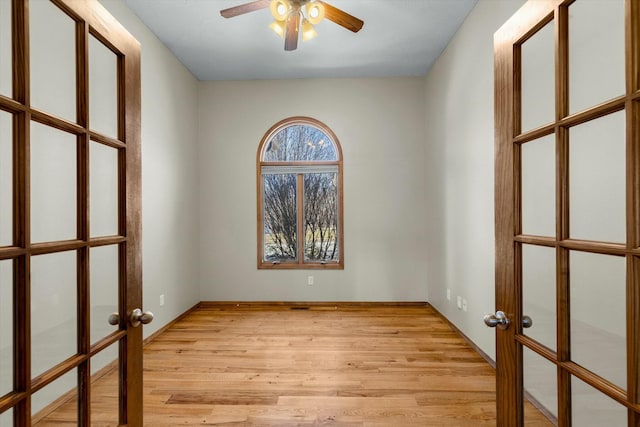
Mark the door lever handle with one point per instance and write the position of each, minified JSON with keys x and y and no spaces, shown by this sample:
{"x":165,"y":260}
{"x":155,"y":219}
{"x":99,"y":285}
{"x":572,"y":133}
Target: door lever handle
{"x":138,"y":316}
{"x":114,"y":319}
{"x":499,"y":319}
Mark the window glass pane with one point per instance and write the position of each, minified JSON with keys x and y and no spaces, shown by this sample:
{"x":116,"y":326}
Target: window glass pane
{"x":53,"y":310}
{"x":280,"y":217}
{"x":53,"y":184}
{"x":539,"y":187}
{"x":321,"y":217}
{"x":103,"y":88}
{"x":5,"y":48}
{"x":6,"y":179}
{"x":53,"y":60}
{"x":597,"y":287}
{"x":596,"y":57}
{"x":6,"y":326}
{"x":539,"y":293}
{"x":597,"y":179}
{"x":538,"y":79}
{"x":299,"y":143}
{"x":591,"y":408}
{"x":64,"y":412}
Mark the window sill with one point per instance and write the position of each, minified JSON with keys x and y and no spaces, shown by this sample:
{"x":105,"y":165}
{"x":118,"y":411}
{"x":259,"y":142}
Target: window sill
{"x":296,"y":266}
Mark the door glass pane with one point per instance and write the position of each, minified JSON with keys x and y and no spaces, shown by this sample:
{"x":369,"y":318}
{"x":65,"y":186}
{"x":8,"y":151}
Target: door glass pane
{"x":103,"y":88}
{"x":590,"y":408}
{"x":6,"y":326}
{"x":538,"y":79}
{"x":540,"y":386}
{"x":597,"y":179}
{"x":104,"y":190}
{"x":56,"y":403}
{"x":5,"y":48}
{"x":596,"y":57}
{"x":104,"y":289}
{"x":597,"y":287}
{"x":105,"y":387}
{"x":539,"y":293}
{"x":53,"y":184}
{"x":53,"y":60}
{"x":6,"y":179}
{"x":105,"y":362}
{"x":321,"y":217}
{"x":539,"y":187}
{"x":280,"y":222}
{"x":6,"y":418}
{"x":53,"y":310}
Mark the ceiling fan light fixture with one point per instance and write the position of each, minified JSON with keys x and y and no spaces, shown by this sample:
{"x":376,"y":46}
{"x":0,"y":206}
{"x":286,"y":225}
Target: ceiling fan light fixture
{"x":308,"y":32}
{"x":315,"y":12}
{"x":280,"y":9}
{"x":295,"y":16}
{"x":278,"y":27}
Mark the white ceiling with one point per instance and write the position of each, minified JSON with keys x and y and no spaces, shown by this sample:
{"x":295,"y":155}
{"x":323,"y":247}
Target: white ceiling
{"x":399,"y":38}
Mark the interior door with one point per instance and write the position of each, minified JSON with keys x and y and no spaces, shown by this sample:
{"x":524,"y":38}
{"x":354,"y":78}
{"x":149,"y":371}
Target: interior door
{"x":70,"y":222}
{"x":567,"y":203}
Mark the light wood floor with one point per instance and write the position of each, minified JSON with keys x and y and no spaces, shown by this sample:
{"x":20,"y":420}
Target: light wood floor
{"x":274,"y":366}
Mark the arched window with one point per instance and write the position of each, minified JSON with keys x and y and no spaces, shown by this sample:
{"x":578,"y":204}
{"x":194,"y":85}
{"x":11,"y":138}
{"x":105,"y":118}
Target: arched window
{"x":300,"y":196}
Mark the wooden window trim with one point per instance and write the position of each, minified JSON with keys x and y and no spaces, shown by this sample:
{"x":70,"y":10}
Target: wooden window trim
{"x":300,"y":263}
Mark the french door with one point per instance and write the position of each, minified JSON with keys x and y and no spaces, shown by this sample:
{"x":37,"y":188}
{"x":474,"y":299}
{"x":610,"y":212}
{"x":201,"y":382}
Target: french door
{"x":567,"y":203}
{"x":70,"y":222}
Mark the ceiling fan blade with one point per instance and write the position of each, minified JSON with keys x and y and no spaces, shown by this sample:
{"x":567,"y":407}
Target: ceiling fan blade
{"x":245,"y":8}
{"x":291,"y":32}
{"x":342,"y":18}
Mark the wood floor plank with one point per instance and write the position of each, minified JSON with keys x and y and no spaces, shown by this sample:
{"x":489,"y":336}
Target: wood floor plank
{"x":343,"y":366}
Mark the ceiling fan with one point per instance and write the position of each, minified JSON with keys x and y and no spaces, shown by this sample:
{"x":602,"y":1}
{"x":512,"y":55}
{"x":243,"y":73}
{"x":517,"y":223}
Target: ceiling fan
{"x":292,"y":16}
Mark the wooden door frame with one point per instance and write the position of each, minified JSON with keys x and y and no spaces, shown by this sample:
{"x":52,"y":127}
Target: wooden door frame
{"x":508,"y":227}
{"x":90,"y":17}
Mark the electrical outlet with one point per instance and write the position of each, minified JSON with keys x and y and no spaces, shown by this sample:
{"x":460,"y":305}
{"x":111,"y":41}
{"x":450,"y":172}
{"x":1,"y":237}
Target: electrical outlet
{"x":464,"y":304}
{"x":448,"y":294}
{"x":459,"y":303}
{"x":161,"y":299}
{"x":309,"y":280}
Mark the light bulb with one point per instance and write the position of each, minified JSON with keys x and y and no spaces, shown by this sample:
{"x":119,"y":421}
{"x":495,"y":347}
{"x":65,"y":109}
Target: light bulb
{"x":308,"y":32}
{"x":280,"y":9}
{"x":315,"y":12}
{"x":278,"y":27}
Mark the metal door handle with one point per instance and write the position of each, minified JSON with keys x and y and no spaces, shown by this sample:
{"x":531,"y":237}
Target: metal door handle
{"x":499,"y":319}
{"x":526,"y":322}
{"x":137,"y":317}
{"x":114,"y":319}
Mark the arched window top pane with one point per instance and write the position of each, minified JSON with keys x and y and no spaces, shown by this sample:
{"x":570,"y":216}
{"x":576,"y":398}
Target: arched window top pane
{"x":299,"y":140}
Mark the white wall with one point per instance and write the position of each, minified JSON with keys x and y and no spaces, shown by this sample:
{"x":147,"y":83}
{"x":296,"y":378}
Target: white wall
{"x":380,"y":125}
{"x":169,"y":178}
{"x":459,"y":161}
